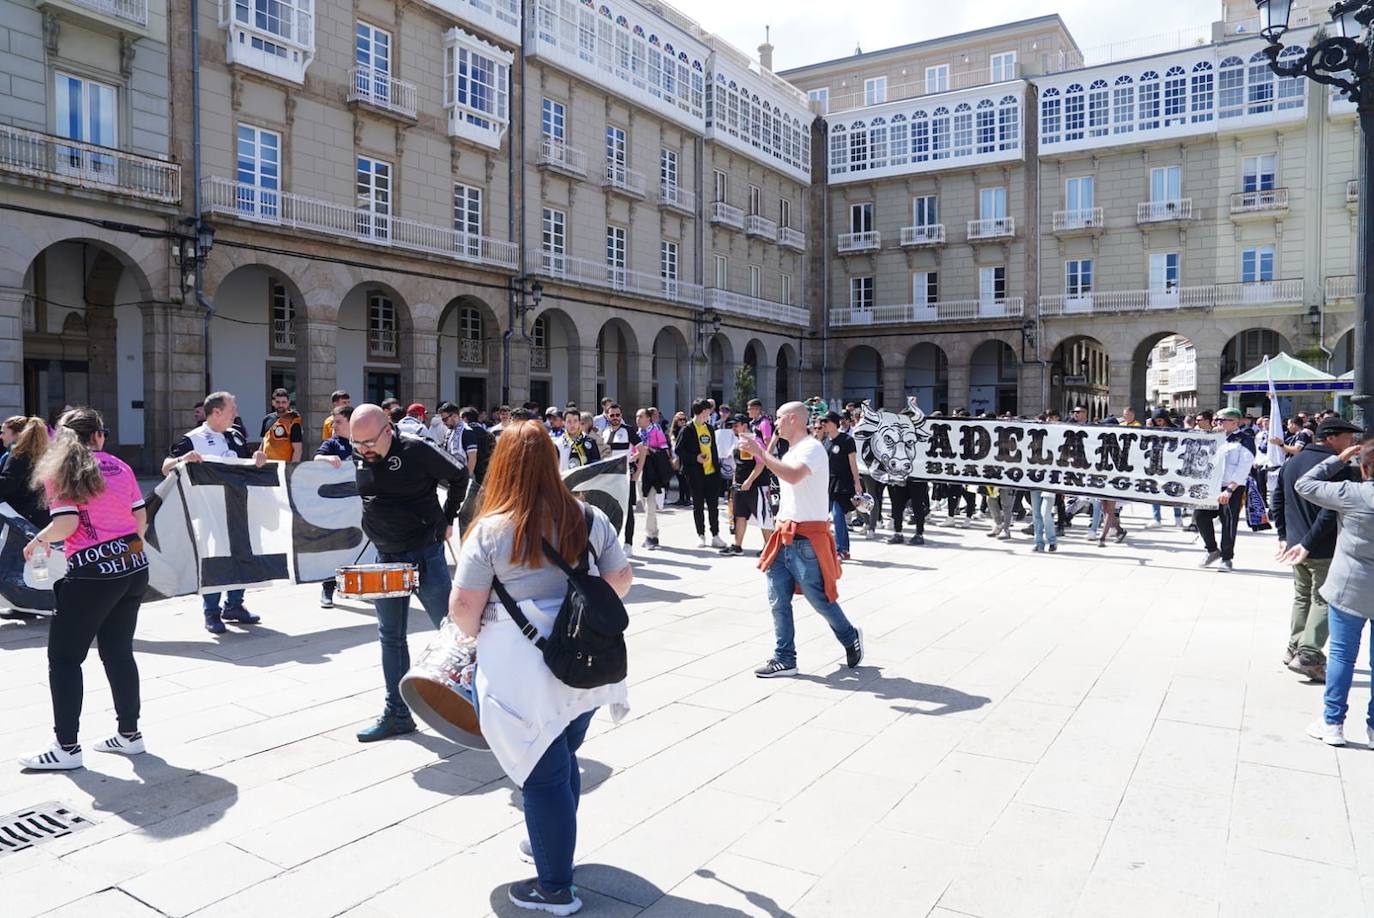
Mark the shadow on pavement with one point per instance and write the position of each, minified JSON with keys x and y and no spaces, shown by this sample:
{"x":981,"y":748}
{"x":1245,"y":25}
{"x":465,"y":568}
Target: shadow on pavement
{"x":598,"y":881}
{"x":642,"y":592}
{"x":898,"y":688}
{"x":315,"y":647}
{"x":159,"y":792}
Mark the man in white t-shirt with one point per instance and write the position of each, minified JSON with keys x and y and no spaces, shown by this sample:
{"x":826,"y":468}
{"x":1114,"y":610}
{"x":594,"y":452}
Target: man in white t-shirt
{"x":800,"y":557}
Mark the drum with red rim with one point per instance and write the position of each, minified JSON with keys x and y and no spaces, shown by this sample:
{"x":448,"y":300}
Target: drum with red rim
{"x":377,"y":581}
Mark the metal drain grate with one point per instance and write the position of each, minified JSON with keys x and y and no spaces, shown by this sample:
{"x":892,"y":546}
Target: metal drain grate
{"x":33,"y":826}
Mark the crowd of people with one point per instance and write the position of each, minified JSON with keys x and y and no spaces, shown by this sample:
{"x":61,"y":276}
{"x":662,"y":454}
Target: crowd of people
{"x":496,"y":479}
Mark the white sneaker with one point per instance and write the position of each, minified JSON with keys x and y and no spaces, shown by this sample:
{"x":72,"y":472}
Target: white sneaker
{"x":629,"y":550}
{"x":54,"y":758}
{"x":1331,"y":734}
{"x":716,"y":542}
{"x":526,"y":852}
{"x":120,"y":745}
{"x":1369,"y":732}
{"x":701,"y":541}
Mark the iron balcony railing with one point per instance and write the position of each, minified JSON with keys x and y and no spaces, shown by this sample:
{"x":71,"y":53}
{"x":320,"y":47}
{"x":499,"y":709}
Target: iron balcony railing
{"x":1081,"y":219}
{"x":947,"y":311}
{"x":756,"y":225}
{"x":1344,"y":287}
{"x":384,"y":91}
{"x":470,"y":351}
{"x":88,"y":166}
{"x":612,"y":277}
{"x":131,"y":11}
{"x":754,"y":307}
{"x":727,"y":215}
{"x":555,"y":154}
{"x":1256,"y":202}
{"x":867,"y":241}
{"x":283,"y":334}
{"x":619,"y":178}
{"x":362,"y":224}
{"x":992,"y":228}
{"x":1164,"y":211}
{"x":671,"y":194}
{"x":790,"y":238}
{"x":924,"y":234}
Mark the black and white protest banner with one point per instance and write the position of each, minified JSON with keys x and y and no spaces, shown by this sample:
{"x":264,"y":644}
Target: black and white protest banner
{"x":226,"y":524}
{"x":1125,"y":463}
{"x":18,"y":588}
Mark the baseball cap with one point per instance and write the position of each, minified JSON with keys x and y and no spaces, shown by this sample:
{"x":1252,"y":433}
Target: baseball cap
{"x":832,"y":416}
{"x":416,"y":410}
{"x":1333,"y":426}
{"x":738,"y":419}
{"x":1229,"y":413}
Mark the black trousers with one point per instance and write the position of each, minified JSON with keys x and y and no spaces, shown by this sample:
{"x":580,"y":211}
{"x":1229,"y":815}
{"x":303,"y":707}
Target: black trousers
{"x":630,"y":513}
{"x":952,"y":495}
{"x":1229,"y":515}
{"x":875,"y":491}
{"x":899,"y":496}
{"x":104,"y":612}
{"x":705,"y":498}
{"x":918,"y":493}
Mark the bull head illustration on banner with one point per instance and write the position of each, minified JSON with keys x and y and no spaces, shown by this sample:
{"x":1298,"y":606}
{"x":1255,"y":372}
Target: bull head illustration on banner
{"x":889,"y":442}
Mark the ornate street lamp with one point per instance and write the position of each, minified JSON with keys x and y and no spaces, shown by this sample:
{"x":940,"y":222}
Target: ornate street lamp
{"x":1343,"y":60}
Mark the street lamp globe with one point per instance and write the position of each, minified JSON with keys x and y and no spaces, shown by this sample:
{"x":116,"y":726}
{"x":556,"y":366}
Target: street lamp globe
{"x":1274,"y":15}
{"x":1344,"y":15}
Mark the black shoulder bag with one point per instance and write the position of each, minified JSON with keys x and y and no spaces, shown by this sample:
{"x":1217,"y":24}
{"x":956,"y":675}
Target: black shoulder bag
{"x":586,"y":648}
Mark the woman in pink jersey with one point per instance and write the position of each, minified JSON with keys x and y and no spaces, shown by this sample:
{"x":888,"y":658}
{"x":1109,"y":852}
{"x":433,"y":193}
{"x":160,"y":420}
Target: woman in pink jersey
{"x":97,"y":513}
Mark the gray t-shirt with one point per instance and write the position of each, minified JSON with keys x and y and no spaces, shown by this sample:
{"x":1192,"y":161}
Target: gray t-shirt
{"x":487,"y":549}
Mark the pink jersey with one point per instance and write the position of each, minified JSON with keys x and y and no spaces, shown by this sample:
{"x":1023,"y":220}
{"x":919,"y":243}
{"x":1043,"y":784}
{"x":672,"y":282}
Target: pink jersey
{"x":110,"y":514}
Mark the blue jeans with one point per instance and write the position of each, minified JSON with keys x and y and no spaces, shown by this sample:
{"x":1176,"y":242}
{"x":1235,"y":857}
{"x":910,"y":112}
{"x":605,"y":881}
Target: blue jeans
{"x":1346,"y":630}
{"x":837,"y":512}
{"x":1042,"y":517}
{"x":393,"y":614}
{"x":211,"y":601}
{"x":1178,"y":514}
{"x":551,"y":793}
{"x":1096,"y":523}
{"x":796,"y":565}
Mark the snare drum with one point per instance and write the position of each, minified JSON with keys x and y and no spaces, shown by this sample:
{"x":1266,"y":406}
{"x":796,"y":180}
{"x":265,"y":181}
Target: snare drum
{"x":440,"y":687}
{"x":377,"y":581}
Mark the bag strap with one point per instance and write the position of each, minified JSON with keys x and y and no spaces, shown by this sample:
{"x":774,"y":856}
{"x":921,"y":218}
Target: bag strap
{"x":530,"y":632}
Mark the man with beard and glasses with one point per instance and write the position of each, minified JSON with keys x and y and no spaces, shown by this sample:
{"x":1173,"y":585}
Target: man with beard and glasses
{"x":397,"y":477}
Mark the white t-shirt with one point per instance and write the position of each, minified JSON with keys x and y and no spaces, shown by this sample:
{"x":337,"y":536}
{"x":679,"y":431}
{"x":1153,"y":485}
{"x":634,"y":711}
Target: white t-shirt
{"x":808,"y":500}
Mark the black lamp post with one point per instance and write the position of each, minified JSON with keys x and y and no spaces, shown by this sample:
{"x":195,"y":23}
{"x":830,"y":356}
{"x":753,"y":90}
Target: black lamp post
{"x":1343,"y":60}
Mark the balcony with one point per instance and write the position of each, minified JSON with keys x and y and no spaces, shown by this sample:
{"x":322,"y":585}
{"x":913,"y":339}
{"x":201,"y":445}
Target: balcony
{"x":790,"y":238}
{"x":608,"y":277}
{"x":539,"y":357}
{"x":383,"y":92}
{"x":129,"y":16}
{"x":920,"y":87}
{"x":360,"y":224}
{"x":1164,"y":211}
{"x":72,"y":164}
{"x":498,"y":17}
{"x":1086,"y":221}
{"x":1345,"y":287}
{"x":753,"y":307}
{"x":471,"y":352}
{"x":923,"y":235}
{"x":1251,"y":204}
{"x":559,"y":157}
{"x":671,"y":194}
{"x":761,"y":227}
{"x":620,"y":179}
{"x":1260,"y":293}
{"x":283,"y":52}
{"x":727,"y":215}
{"x":283,"y":335}
{"x":993,"y":229}
{"x":858,"y":243}
{"x":381,"y":342}
{"x":948,"y":311}
{"x":1352,"y":195}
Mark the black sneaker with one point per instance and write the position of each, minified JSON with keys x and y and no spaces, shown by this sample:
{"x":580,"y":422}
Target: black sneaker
{"x":772,"y":669}
{"x":896,"y":539}
{"x":326,"y":599}
{"x":529,"y":894}
{"x":1054,"y":547}
{"x":651,"y":544}
{"x":918,"y":540}
{"x":854,"y":653}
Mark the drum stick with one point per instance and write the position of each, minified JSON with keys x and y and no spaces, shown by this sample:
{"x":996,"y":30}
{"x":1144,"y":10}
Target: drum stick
{"x":451,"y":554}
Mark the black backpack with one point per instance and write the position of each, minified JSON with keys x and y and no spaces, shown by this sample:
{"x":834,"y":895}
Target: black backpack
{"x":586,"y":648}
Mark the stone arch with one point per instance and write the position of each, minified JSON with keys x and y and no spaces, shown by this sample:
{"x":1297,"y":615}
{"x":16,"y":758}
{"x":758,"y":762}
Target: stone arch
{"x":720,"y":367}
{"x":555,"y":358}
{"x":786,"y":375}
{"x":22,"y":242}
{"x":617,"y":361}
{"x":863,"y":375}
{"x":375,"y":360}
{"x":755,"y":356}
{"x":1080,"y":375}
{"x":927,"y":376}
{"x":993,"y":372}
{"x":469,"y":352}
{"x":81,"y":338}
{"x":671,"y":389}
{"x":1164,"y":372}
{"x":1343,"y":353}
{"x":1245,"y":350}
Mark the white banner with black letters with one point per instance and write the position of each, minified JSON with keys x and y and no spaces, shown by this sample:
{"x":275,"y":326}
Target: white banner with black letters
{"x":226,"y":524}
{"x":1157,"y":465}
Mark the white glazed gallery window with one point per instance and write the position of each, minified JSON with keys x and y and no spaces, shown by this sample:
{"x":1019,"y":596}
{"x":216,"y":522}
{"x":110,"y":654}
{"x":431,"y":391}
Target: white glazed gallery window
{"x":554,"y":121}
{"x":822,"y":96}
{"x":1257,"y":264}
{"x":937,"y":79}
{"x":785,"y":288}
{"x":1257,"y":172}
{"x":292,"y":21}
{"x":1078,"y":277}
{"x":476,"y":88}
{"x":257,"y":177}
{"x":722,"y":272}
{"x":1003,"y":66}
{"x":875,"y":91}
{"x":467,"y":219}
{"x":992,"y":284}
{"x":925,"y":288}
{"x":374,"y":198}
{"x":861,"y":293}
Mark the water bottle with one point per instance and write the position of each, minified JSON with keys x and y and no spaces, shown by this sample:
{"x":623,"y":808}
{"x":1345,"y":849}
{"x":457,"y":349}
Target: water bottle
{"x":40,"y":564}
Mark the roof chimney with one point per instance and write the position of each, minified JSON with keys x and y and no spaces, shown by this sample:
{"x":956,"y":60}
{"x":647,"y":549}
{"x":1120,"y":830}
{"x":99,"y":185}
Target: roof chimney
{"x":858,"y":50}
{"x":766,"y":51}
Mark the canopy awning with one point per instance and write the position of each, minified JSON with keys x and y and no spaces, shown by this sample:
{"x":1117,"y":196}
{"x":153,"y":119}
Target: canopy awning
{"x":1290,"y":375}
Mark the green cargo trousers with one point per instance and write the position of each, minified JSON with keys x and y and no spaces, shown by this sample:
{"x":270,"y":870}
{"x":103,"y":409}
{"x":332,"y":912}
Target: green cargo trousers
{"x":1309,"y":625}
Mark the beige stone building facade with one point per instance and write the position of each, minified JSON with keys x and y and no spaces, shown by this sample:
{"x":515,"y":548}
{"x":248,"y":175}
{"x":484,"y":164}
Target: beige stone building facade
{"x":475,"y":201}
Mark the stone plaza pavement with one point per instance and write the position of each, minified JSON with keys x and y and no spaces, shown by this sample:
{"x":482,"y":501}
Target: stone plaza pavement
{"x":1101,"y":732}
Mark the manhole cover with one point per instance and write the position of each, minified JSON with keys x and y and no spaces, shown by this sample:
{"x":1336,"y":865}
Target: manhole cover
{"x":35,"y":825}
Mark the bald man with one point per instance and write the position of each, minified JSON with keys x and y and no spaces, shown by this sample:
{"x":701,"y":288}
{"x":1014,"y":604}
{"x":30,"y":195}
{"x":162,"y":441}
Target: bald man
{"x":800,"y":557}
{"x":398,"y":475}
